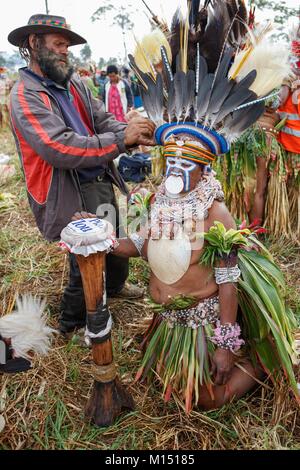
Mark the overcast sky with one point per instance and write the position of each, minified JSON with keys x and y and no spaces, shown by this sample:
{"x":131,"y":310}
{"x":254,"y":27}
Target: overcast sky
{"x":104,"y":40}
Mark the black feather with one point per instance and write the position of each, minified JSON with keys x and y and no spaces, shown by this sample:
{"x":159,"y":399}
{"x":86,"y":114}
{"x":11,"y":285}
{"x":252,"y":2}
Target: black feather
{"x":234,"y":100}
{"x":153,"y":99}
{"x":203,"y":97}
{"x":238,"y":16}
{"x":193,"y":6}
{"x":221,"y":85}
{"x":175,"y":37}
{"x":180,"y":85}
{"x":223,"y":67}
{"x":247,"y":81}
{"x":203,"y":70}
{"x":171,"y":102}
{"x":240,"y":120}
{"x":178,"y":63}
{"x":168,"y":75}
{"x":196,"y":31}
{"x":195,"y":36}
{"x":213,"y":40}
{"x":219,"y":95}
{"x":191,"y":88}
{"x":159,"y":102}
{"x":140,"y":75}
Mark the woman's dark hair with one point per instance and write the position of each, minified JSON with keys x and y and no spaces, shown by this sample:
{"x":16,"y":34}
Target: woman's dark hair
{"x":112,"y":69}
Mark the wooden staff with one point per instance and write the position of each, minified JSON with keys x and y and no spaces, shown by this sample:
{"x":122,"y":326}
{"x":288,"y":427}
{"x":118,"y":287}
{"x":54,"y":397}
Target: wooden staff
{"x":109,"y":398}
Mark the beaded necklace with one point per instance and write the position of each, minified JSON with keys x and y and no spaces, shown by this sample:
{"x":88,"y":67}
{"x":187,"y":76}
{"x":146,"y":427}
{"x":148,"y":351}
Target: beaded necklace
{"x":194,"y":204}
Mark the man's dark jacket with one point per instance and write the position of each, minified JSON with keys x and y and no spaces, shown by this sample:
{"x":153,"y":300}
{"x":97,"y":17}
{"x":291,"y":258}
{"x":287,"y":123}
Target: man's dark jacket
{"x":50,"y":152}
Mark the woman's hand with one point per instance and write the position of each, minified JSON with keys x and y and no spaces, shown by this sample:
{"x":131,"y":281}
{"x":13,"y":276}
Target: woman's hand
{"x":222,"y":365}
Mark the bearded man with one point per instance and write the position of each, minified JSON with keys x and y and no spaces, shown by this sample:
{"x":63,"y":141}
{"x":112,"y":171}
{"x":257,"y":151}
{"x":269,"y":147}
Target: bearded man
{"x":67,"y":143}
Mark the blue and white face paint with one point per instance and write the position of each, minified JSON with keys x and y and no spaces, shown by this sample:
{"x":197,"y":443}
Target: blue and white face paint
{"x":178,"y":175}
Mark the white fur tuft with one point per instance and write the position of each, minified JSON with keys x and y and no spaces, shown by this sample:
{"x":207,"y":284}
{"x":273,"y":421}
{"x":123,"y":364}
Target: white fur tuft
{"x":148,"y":50}
{"x":270,"y":60}
{"x":26,"y":327}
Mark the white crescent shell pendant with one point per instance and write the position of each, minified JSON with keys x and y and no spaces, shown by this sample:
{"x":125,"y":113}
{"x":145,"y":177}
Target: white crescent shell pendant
{"x":174,"y":184}
{"x":170,"y":259}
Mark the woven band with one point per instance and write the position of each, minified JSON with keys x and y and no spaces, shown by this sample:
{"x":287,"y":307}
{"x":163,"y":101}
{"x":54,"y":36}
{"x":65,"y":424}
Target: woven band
{"x":189,"y":152}
{"x":104,"y":374}
{"x":224,"y":275}
{"x":138,"y":242}
{"x":57,"y":24}
{"x":227,"y":336}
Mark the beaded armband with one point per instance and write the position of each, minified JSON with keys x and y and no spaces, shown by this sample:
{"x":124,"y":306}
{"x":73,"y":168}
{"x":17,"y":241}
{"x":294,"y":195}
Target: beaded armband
{"x":229,"y":274}
{"x":114,"y":246}
{"x":138,"y":242}
{"x":227,"y":336}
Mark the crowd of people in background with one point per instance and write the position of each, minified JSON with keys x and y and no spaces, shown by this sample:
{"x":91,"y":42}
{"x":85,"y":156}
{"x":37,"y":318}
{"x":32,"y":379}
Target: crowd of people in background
{"x":117,"y":88}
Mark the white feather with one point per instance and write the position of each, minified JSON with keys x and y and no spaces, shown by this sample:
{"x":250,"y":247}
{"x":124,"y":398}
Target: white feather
{"x":270,"y":60}
{"x":148,"y":50}
{"x":294,"y":29}
{"x":26,"y":327}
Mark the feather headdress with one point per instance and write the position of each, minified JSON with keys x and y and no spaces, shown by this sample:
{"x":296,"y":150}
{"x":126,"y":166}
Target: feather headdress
{"x":148,"y":51}
{"x":215,"y":83}
{"x":270,"y":62}
{"x":26,"y":327}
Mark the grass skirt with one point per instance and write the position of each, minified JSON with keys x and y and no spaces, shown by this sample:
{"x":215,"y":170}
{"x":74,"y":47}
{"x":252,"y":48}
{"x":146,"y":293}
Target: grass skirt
{"x":180,"y":356}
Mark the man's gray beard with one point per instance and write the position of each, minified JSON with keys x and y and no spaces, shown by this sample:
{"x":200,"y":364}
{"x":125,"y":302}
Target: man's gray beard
{"x":52,"y":69}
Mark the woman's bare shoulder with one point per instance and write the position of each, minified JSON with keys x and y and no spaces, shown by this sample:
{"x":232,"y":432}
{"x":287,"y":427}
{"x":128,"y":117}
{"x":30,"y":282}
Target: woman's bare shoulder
{"x":220,"y":213}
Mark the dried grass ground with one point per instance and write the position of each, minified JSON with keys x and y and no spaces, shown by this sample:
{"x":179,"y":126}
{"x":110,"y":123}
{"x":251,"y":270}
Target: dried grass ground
{"x":43,"y":408}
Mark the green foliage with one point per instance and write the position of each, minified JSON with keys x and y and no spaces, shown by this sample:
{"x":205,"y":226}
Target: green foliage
{"x":268,"y":323}
{"x":2,"y":61}
{"x":86,"y":53}
{"x":221,"y":242}
{"x":179,"y":302}
{"x":101,"y":63}
{"x":7,"y":202}
{"x":138,"y":211}
{"x":120,"y":16}
{"x":11,"y":61}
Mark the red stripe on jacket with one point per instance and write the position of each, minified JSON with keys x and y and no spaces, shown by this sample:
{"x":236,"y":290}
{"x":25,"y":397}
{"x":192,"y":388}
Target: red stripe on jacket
{"x":38,"y":173}
{"x":46,"y":99}
{"x":64,"y":149}
{"x":79,"y":105}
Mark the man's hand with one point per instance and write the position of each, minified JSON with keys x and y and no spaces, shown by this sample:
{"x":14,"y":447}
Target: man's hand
{"x":83,"y":215}
{"x":222,"y":366}
{"x":139,"y":132}
{"x":132,"y":114}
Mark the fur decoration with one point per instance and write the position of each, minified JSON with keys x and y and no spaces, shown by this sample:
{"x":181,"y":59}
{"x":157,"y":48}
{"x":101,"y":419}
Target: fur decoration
{"x":271,"y":62}
{"x":26,"y":327}
{"x":200,"y":84}
{"x":148,"y":50}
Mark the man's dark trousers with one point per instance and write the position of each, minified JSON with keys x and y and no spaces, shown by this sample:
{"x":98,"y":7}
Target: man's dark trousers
{"x":73,"y":310}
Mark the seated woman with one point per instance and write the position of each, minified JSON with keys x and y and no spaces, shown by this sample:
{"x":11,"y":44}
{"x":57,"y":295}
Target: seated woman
{"x":194,"y":343}
{"x":174,"y":257}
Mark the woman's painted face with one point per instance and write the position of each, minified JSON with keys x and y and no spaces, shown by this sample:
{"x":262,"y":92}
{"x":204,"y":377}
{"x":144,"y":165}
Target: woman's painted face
{"x":182,"y":175}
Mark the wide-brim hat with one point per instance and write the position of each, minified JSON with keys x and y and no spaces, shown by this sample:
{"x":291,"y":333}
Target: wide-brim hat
{"x":44,"y":24}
